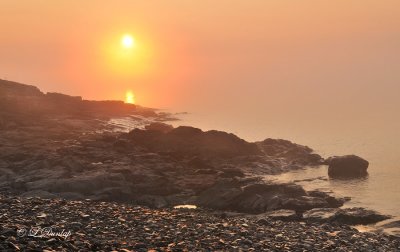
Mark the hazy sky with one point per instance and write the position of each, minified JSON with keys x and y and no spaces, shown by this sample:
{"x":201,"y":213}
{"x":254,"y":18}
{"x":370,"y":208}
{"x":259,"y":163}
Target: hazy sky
{"x":268,"y":59}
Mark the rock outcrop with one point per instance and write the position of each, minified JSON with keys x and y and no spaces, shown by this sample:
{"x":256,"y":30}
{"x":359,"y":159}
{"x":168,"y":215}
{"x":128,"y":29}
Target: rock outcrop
{"x":54,"y":145}
{"x":189,"y":141}
{"x":258,"y":197}
{"x":295,"y":153}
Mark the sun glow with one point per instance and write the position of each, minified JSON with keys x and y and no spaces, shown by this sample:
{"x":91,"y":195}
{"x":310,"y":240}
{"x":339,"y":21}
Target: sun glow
{"x":125,"y":55}
{"x":127,"y":41}
{"x":129,"y":97}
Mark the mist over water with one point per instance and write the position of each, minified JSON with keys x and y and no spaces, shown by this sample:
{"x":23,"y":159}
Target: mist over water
{"x":376,"y":141}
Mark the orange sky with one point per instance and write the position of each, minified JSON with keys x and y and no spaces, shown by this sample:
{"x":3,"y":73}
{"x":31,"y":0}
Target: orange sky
{"x":306,"y":58}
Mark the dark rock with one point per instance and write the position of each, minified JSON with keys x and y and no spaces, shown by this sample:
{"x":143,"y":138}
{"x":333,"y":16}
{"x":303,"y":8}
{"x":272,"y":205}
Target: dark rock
{"x":256,"y":197}
{"x":158,"y":126}
{"x":359,"y":215}
{"x":152,"y":201}
{"x":205,"y":171}
{"x":304,"y":203}
{"x":350,"y":166}
{"x":72,"y":164}
{"x":392,"y":224}
{"x":220,"y":196}
{"x":351,"y":216}
{"x":199,"y":163}
{"x":295,"y":153}
{"x":332,"y":201}
{"x":231,"y":172}
{"x":320,"y":214}
{"x":122,"y":145}
{"x":189,"y":141}
{"x":282,"y":214}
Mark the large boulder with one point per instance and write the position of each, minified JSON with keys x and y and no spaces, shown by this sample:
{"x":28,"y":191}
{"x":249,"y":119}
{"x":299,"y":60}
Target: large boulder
{"x":349,"y":166}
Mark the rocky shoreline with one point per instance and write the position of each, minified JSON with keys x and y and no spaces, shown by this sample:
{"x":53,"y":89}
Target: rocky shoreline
{"x":56,"y":149}
{"x":37,"y":224}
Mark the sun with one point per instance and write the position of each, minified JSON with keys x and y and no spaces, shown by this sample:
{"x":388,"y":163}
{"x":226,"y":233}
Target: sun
{"x":129,"y":97}
{"x":127,"y":41}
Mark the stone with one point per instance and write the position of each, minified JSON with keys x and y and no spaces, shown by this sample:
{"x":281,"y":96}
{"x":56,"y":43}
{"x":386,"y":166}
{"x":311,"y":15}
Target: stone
{"x":304,"y":203}
{"x":359,"y":215}
{"x":351,"y":216}
{"x":282,"y":214}
{"x":349,"y":166}
{"x":320,"y":214}
{"x":231,"y":172}
{"x":188,"y":141}
{"x":158,"y":126}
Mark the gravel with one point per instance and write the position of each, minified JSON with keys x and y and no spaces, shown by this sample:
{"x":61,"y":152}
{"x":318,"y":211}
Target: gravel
{"x":103,"y":226}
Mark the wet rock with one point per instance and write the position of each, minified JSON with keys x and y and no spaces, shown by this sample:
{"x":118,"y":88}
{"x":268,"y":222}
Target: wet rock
{"x":304,"y":203}
{"x":350,"y":166}
{"x":332,"y":201}
{"x":351,"y":216}
{"x":358,"y":215}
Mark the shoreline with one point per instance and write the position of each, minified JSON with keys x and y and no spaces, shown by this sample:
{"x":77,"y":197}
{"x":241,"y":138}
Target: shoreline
{"x":79,"y":156}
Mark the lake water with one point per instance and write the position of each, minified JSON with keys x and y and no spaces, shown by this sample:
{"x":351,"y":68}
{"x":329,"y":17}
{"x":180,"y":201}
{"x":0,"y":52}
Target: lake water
{"x":376,"y":141}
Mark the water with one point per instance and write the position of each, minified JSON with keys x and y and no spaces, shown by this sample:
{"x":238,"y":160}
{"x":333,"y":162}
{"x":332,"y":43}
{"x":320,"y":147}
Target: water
{"x":377,"y":141}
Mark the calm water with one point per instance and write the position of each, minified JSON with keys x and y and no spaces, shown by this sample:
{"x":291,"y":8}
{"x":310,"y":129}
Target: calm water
{"x":377,"y":141}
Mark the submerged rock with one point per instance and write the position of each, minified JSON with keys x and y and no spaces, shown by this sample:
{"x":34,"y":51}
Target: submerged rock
{"x":349,"y":166}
